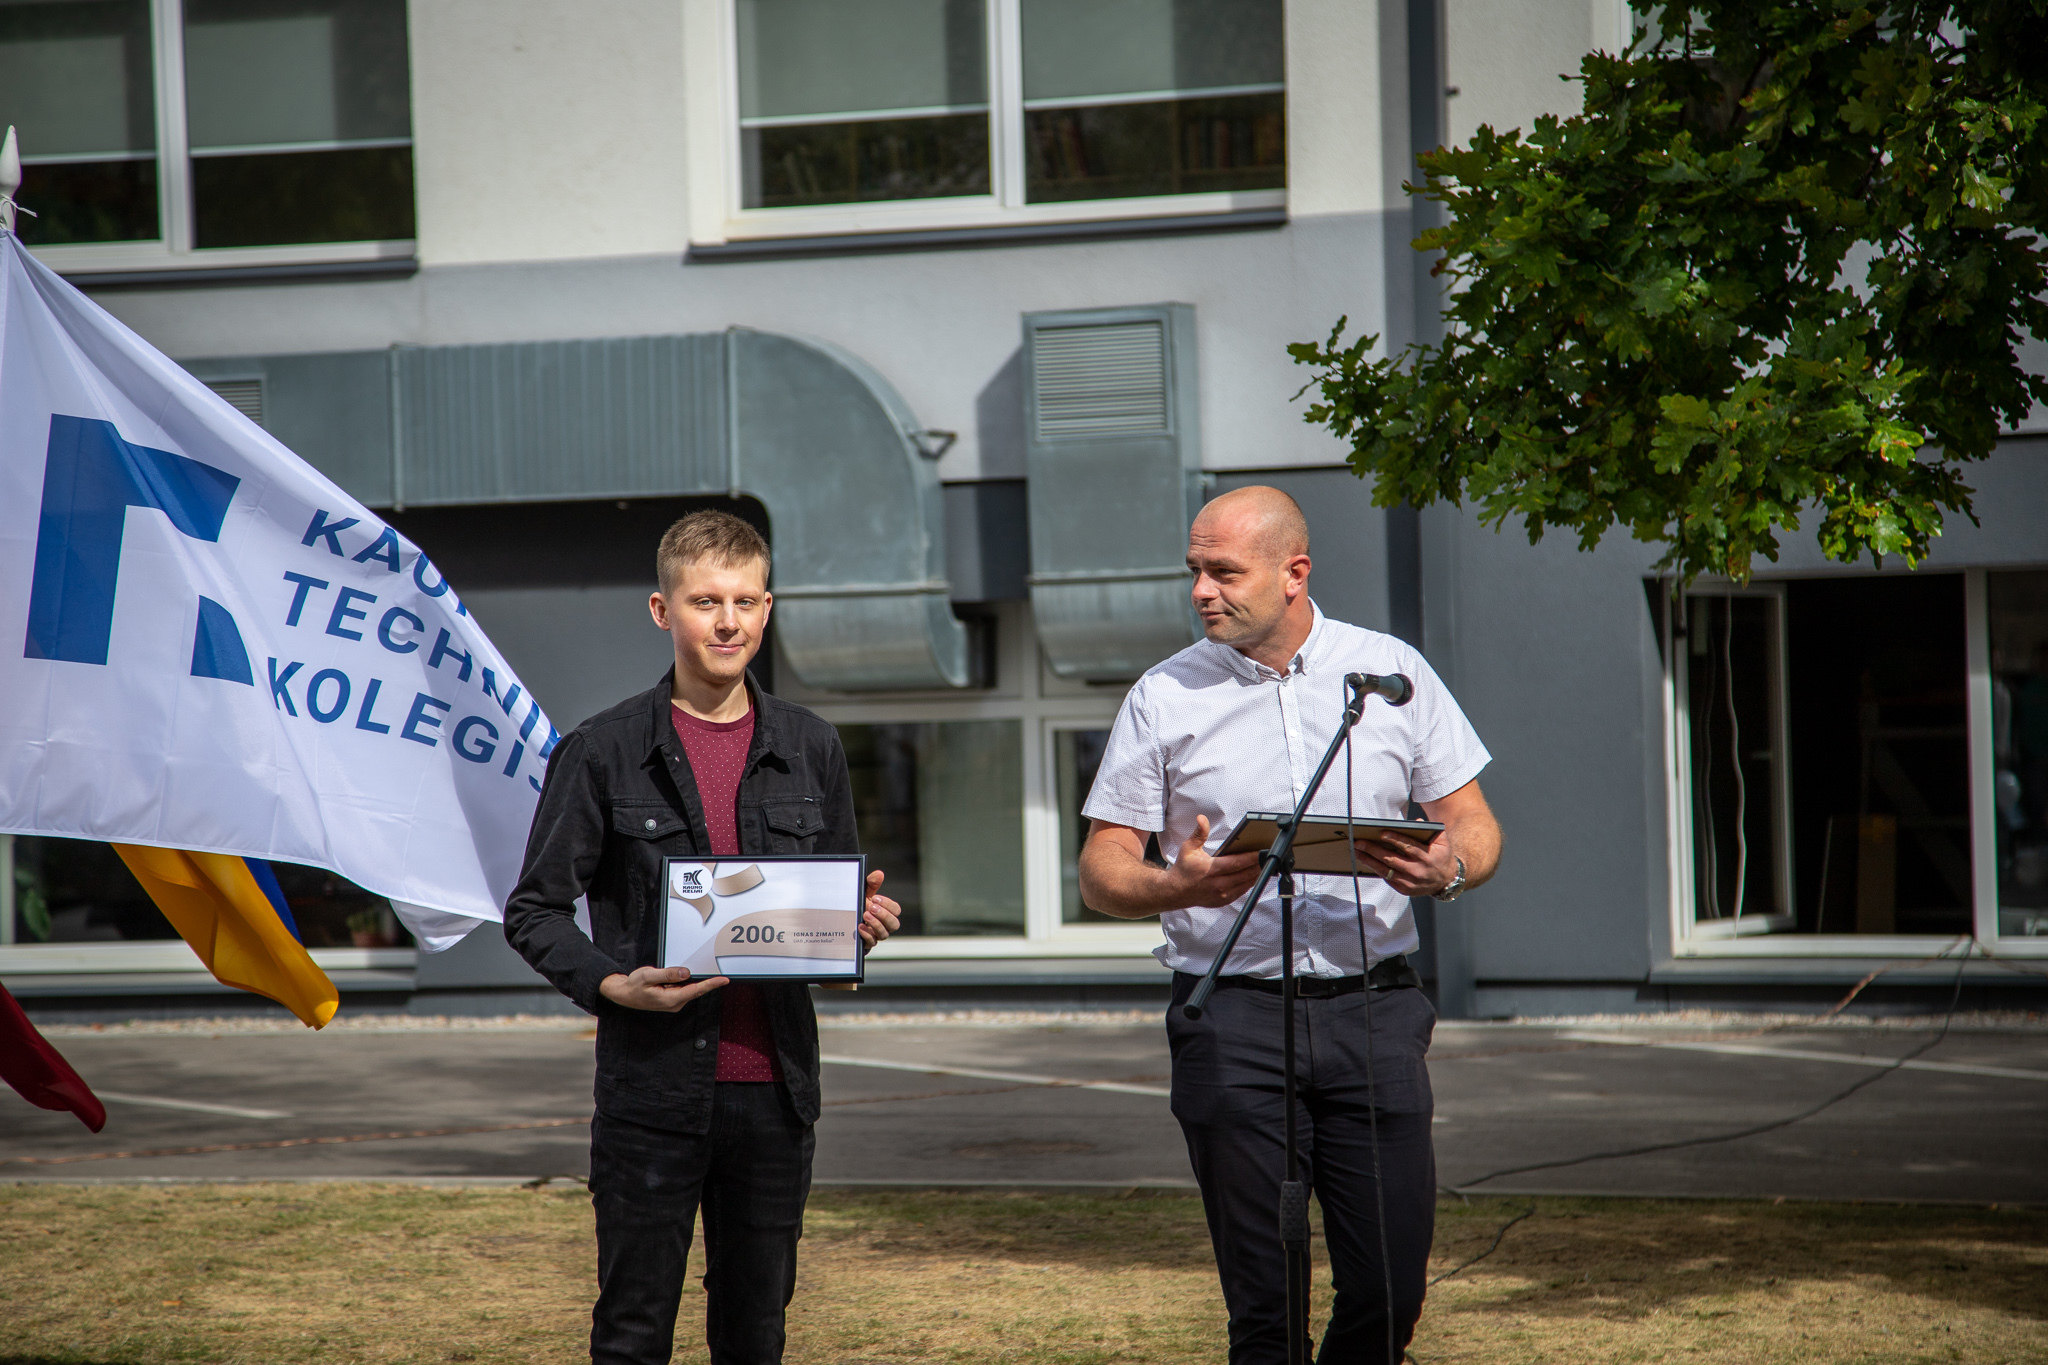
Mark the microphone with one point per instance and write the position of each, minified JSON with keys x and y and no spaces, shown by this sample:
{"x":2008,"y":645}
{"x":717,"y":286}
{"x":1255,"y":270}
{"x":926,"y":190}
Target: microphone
{"x":1395,"y":687}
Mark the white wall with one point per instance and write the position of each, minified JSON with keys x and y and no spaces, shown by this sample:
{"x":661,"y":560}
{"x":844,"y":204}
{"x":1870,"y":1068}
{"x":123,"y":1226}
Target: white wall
{"x":545,"y":131}
{"x":1504,"y":58}
{"x":1334,"y":92}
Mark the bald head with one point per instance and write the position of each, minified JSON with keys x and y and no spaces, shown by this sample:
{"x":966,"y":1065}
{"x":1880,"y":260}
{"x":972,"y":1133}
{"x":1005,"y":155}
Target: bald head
{"x":1248,"y":551}
{"x":1258,"y":516}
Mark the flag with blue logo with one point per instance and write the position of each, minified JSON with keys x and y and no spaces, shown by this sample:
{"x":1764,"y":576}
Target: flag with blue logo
{"x":207,"y":646}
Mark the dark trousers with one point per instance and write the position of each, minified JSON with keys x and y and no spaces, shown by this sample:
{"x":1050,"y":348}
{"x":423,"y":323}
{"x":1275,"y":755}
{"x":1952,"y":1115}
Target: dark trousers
{"x":750,"y":1174}
{"x":1226,"y":1093}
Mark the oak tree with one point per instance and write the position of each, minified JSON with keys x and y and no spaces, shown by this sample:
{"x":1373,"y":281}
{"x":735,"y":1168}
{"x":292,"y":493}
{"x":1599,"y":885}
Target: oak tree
{"x":1779,"y":267}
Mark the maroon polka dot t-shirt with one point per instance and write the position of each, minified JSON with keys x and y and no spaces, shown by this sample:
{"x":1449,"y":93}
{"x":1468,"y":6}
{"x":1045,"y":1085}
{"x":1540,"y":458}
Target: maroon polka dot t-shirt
{"x":717,"y":751}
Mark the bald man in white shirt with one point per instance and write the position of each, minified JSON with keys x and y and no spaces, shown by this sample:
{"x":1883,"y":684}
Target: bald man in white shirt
{"x":1237,"y":723}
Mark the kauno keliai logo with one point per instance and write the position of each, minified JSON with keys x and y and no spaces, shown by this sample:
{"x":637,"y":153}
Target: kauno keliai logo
{"x":91,"y":477}
{"x":693,"y":882}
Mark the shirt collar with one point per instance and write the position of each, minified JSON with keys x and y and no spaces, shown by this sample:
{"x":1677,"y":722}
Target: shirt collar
{"x":1304,"y":660}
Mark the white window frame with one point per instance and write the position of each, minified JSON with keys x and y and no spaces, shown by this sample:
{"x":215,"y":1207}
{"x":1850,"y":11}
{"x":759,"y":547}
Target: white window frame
{"x":711,"y":31}
{"x":174,"y":250}
{"x":1685,"y":854}
{"x":1983,"y":837}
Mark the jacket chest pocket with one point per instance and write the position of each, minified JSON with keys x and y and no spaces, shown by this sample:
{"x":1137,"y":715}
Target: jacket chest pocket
{"x":648,"y":834}
{"x":652,"y":825}
{"x":791,"y":824}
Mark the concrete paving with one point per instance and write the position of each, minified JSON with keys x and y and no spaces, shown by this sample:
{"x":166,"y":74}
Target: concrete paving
{"x":1079,"y":1104}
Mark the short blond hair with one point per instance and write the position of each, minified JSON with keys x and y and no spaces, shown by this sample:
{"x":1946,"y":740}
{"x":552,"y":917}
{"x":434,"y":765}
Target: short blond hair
{"x":720,"y":537}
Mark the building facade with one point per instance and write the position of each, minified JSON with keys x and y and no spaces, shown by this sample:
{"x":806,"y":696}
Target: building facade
{"x":969,"y":304}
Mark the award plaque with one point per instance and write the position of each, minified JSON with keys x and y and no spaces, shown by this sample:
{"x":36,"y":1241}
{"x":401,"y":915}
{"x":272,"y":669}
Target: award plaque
{"x":766,"y":918}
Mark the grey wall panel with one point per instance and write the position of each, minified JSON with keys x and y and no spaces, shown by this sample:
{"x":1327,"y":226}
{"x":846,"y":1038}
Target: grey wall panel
{"x":333,"y":410}
{"x":1555,"y":662}
{"x":988,"y":550}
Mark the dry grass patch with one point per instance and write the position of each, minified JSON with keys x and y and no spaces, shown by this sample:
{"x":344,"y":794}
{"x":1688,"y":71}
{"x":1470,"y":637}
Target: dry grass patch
{"x":268,"y":1275}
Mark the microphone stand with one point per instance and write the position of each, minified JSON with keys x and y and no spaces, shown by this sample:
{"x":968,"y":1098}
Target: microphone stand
{"x":1279,"y":860}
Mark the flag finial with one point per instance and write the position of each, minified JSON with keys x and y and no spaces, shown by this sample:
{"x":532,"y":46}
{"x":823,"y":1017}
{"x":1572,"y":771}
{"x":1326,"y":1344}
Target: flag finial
{"x":10,"y":178}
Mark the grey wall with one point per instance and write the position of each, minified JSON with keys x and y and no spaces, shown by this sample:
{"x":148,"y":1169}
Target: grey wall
{"x":1553,"y":655}
{"x":578,"y":649}
{"x":942,"y":326}
{"x":2011,"y":501}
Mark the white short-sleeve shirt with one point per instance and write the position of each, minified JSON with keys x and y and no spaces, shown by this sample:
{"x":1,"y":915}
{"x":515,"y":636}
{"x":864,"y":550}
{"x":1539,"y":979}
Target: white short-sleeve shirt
{"x":1211,"y":732}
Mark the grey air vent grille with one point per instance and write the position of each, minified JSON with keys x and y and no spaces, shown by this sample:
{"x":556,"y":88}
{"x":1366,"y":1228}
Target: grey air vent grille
{"x":1096,"y":383}
{"x":244,"y":396}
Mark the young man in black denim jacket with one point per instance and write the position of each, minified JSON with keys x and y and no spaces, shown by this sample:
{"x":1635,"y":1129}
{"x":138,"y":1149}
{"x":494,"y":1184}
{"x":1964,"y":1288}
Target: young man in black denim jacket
{"x":687,"y":1118}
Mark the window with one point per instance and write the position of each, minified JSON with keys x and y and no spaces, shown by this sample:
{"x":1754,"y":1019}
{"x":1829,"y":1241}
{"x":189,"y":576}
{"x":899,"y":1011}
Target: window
{"x":69,"y":891}
{"x":1822,"y":755}
{"x":78,"y":80}
{"x":241,"y":124}
{"x":846,"y":101}
{"x":1004,"y":105}
{"x":1077,"y":756}
{"x":1146,"y":97}
{"x":941,"y":811}
{"x":1733,"y":681}
{"x":2018,"y":610}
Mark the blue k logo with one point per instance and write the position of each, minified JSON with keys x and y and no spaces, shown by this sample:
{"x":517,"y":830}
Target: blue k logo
{"x":91,"y":477}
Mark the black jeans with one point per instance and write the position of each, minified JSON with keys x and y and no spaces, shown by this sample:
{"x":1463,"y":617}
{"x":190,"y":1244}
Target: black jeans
{"x":751,"y":1175}
{"x":1226,"y":1094}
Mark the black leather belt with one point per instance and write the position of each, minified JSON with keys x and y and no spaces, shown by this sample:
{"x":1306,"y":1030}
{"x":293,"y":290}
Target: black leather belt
{"x":1389,"y":973}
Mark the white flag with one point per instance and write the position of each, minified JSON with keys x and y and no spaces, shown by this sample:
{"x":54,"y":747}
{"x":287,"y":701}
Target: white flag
{"x":206,"y":644}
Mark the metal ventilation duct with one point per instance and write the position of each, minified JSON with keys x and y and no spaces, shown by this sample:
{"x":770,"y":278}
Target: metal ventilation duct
{"x":1113,"y":454}
{"x":822,"y":440}
{"x":861,"y":598}
{"x":244,"y":396}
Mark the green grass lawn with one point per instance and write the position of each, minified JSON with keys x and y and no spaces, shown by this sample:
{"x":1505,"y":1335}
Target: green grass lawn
{"x":269,"y":1274}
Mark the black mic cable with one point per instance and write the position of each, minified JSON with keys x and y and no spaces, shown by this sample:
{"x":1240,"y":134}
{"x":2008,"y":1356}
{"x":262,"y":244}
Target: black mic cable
{"x":1372,"y":1101}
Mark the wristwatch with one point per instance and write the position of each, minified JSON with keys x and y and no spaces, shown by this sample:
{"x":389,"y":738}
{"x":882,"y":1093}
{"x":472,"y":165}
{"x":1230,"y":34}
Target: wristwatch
{"x":1456,"y":886}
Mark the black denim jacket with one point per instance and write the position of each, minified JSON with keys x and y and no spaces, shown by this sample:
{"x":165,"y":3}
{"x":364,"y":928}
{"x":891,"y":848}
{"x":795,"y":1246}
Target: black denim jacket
{"x":618,"y":798}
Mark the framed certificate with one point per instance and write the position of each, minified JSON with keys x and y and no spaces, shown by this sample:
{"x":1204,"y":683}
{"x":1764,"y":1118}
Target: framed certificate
{"x":767,"y":918}
{"x":1323,"y":843}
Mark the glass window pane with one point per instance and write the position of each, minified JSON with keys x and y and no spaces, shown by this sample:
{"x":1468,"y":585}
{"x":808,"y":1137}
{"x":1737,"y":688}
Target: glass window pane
{"x":73,"y":891}
{"x":76,"y":81}
{"x":260,"y":73}
{"x":1878,"y":743}
{"x":301,"y":121}
{"x":352,"y":194}
{"x":1732,"y":683}
{"x":1076,"y":49}
{"x":809,"y":57}
{"x":1127,"y":98}
{"x":941,"y":811}
{"x":1077,"y":755}
{"x":1120,"y":151}
{"x":77,"y":891}
{"x":854,"y":101}
{"x":855,"y":163}
{"x":2019,"y":730}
